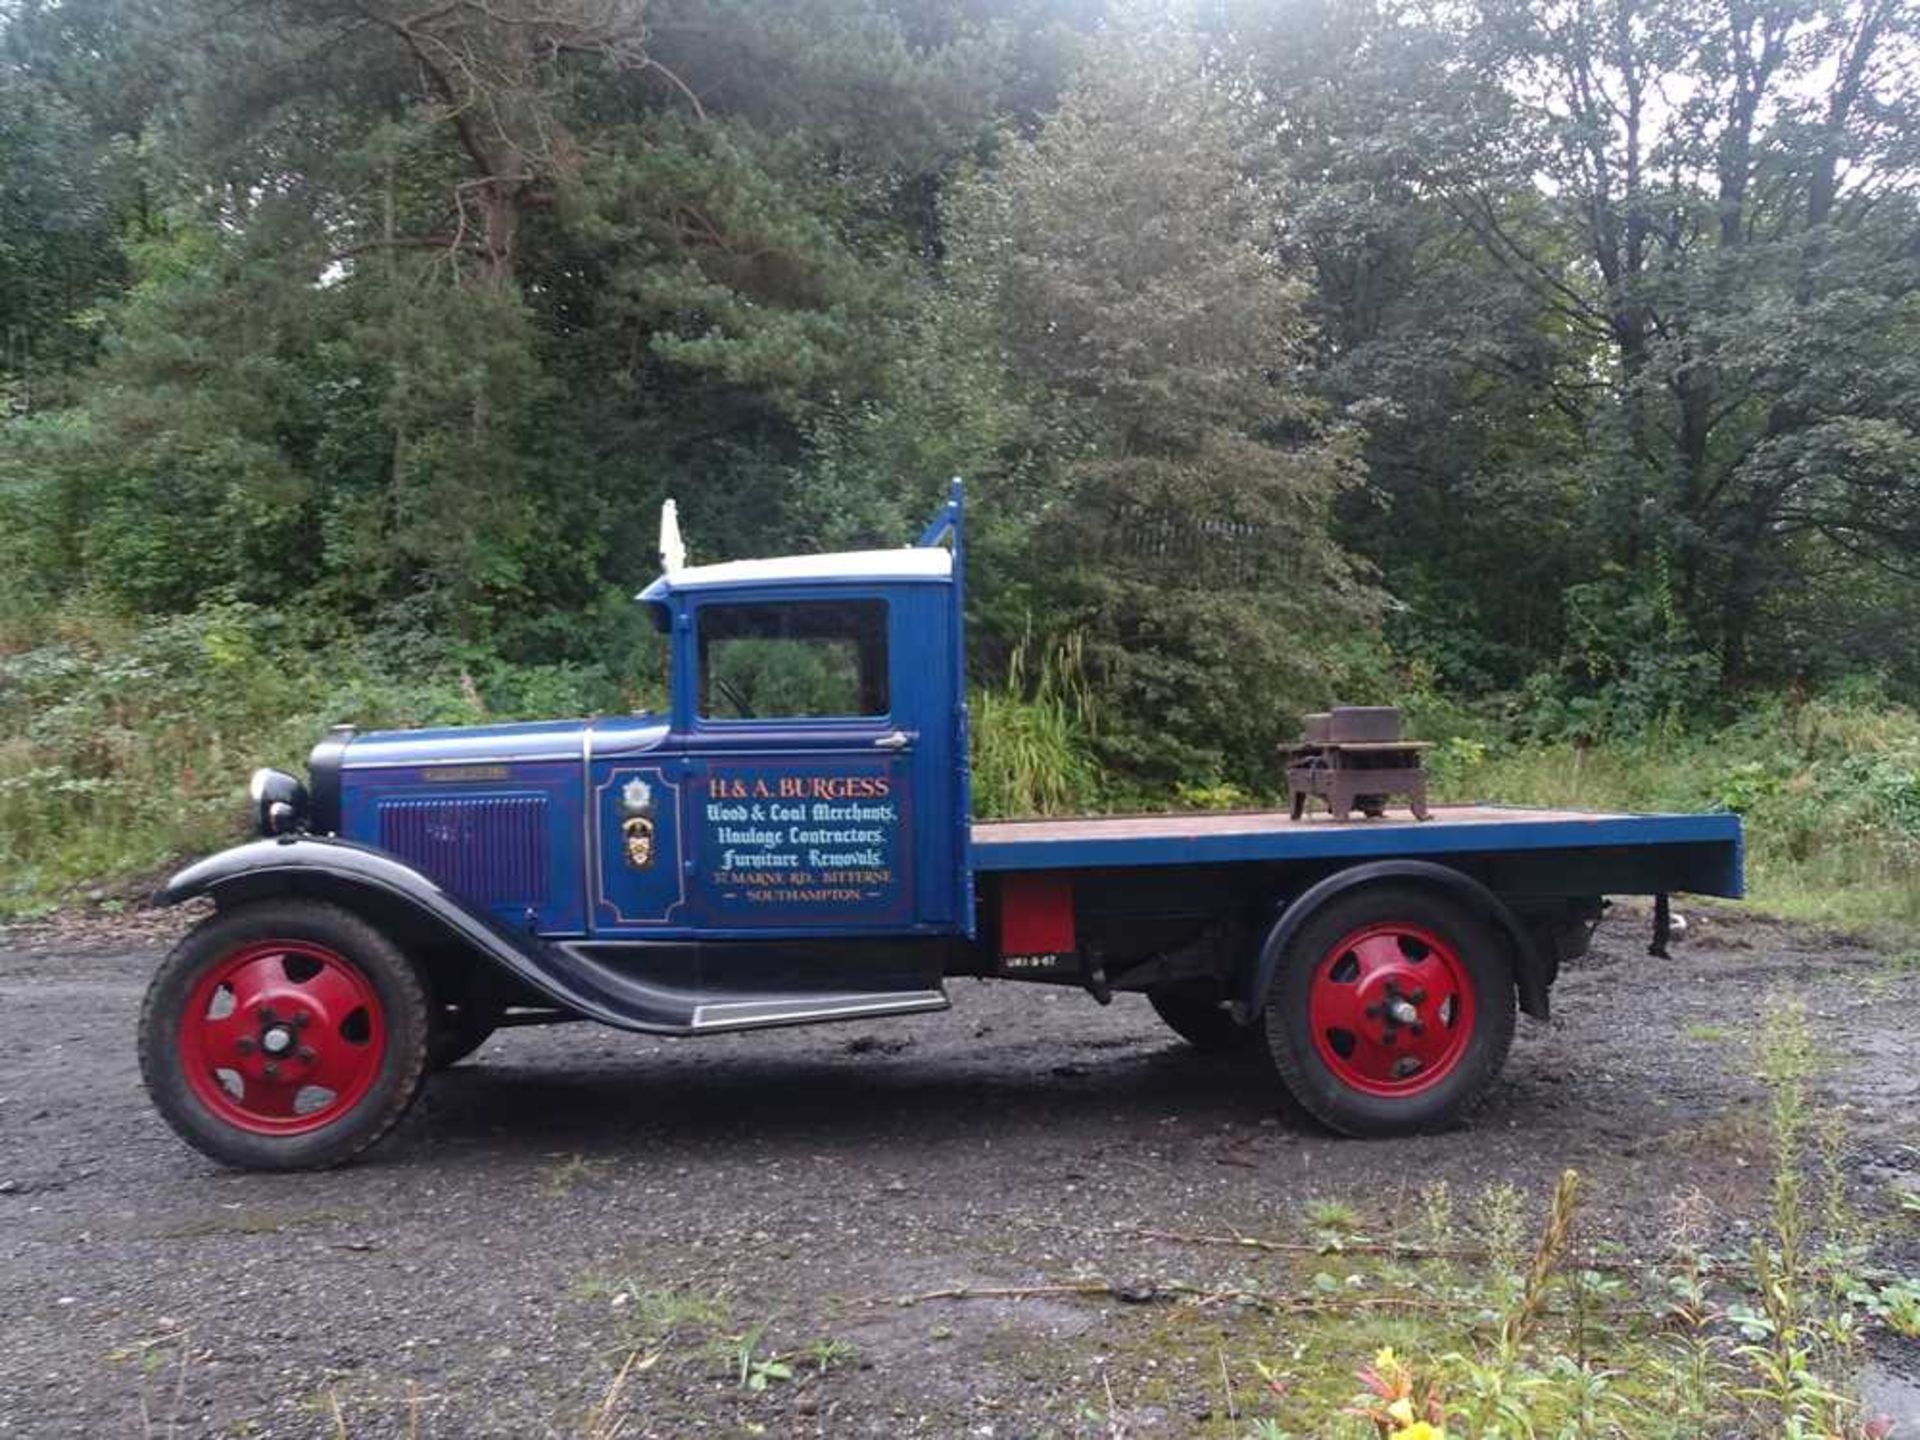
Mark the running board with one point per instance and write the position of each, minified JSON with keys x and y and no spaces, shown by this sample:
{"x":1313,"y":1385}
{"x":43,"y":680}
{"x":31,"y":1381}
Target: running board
{"x":805,"y":1009}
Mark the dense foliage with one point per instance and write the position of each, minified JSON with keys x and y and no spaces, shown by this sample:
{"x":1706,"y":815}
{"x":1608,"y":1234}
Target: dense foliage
{"x":1554,"y":366}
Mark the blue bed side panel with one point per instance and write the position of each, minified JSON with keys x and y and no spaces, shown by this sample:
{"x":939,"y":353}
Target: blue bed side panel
{"x":1718,"y":835}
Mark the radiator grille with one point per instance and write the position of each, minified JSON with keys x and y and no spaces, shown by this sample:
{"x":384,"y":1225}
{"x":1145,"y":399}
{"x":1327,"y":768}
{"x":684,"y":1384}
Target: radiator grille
{"x":490,"y":849}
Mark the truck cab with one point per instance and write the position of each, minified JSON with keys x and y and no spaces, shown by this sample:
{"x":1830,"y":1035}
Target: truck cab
{"x":801,"y":782}
{"x":804,"y":781}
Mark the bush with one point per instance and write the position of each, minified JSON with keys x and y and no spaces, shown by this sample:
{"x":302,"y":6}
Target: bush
{"x":127,"y":747}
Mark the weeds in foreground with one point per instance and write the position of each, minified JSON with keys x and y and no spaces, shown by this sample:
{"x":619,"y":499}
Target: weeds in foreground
{"x":1486,"y":1322}
{"x":568,"y":1175}
{"x":163,"y":1361}
{"x":701,"y":1329}
{"x":1503,"y":1325}
{"x":1332,"y":1222}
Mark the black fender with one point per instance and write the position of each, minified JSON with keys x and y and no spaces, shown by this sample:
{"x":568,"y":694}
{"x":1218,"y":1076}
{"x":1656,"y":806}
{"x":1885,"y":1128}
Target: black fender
{"x":372,"y":881}
{"x":1532,"y":974}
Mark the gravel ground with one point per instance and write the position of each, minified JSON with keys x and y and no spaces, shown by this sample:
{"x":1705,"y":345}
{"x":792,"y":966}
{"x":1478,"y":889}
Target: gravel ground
{"x":483,"y":1271}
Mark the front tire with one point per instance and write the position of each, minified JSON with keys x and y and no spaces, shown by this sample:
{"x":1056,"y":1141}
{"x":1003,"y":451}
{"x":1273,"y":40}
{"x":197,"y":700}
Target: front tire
{"x":285,"y":1034}
{"x":1391,"y":1011}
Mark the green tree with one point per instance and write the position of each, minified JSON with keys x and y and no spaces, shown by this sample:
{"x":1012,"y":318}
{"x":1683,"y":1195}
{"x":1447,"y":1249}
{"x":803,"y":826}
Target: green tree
{"x":1731,"y":225}
{"x":1471,"y":394}
{"x":434,"y":305}
{"x":1120,"y":263}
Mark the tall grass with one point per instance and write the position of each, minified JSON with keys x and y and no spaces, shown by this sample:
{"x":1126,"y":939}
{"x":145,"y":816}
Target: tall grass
{"x":1448,"y":1326}
{"x":1032,"y":735}
{"x":1829,"y":791}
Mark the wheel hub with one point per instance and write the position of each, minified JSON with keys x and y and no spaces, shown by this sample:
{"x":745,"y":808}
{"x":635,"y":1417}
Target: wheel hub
{"x":1399,"y":1011}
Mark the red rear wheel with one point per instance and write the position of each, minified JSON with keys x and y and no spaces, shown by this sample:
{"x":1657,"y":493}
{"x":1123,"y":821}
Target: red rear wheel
{"x":1391,"y":1010}
{"x":284,"y":1034}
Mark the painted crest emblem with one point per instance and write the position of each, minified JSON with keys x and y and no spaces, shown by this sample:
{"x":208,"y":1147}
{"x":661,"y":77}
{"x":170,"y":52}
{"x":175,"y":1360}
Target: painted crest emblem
{"x":636,"y":825}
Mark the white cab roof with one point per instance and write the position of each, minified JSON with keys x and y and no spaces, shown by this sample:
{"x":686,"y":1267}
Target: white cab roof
{"x":910,"y":562}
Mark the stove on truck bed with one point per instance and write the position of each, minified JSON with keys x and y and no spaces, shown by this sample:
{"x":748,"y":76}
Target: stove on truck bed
{"x":790,"y":841}
{"x":1353,"y":756}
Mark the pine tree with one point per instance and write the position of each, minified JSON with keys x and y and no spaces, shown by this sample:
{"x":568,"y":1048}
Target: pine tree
{"x":1123,"y":256}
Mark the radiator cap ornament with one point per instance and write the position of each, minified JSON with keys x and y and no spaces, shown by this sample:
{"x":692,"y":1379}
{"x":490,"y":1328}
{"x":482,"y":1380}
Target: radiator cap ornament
{"x":673,"y":550}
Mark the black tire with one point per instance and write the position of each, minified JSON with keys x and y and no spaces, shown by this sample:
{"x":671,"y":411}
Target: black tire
{"x":1193,"y":1013}
{"x":458,"y":1031}
{"x":1485,"y":963}
{"x":392,"y":1079}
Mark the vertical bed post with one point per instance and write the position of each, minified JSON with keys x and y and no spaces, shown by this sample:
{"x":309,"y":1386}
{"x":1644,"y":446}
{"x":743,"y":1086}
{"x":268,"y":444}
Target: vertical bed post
{"x":950,"y":526}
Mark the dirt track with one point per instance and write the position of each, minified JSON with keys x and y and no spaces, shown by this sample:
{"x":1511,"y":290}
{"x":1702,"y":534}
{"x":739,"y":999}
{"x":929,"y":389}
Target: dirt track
{"x":486,"y":1269}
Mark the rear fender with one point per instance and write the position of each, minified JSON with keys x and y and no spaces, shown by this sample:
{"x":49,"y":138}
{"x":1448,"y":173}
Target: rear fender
{"x":1532,"y":972}
{"x":393,"y":894}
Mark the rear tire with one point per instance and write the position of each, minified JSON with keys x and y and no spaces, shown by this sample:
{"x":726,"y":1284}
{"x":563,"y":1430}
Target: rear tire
{"x":1391,"y":1011}
{"x":284,"y":1034}
{"x":1193,"y":1012}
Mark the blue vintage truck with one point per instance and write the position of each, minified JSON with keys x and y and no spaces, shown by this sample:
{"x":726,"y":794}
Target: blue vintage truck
{"x":792,"y":842}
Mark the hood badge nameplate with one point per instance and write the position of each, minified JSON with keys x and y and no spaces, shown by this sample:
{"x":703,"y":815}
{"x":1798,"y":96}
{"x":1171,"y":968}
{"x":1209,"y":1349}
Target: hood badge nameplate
{"x":456,"y":774}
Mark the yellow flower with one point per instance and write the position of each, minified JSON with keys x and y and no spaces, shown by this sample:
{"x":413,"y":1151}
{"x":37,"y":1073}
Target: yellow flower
{"x":1419,"y":1430}
{"x":1401,"y":1412}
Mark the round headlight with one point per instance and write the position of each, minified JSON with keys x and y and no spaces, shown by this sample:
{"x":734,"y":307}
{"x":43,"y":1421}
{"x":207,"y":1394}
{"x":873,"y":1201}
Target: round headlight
{"x":279,"y":801}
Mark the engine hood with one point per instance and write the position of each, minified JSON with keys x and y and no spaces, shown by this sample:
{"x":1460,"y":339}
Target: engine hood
{"x":468,"y":745}
{"x":501,"y":744}
{"x":345,"y":752}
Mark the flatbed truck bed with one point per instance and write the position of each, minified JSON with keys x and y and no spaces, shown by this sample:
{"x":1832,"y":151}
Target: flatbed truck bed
{"x":1708,"y":846}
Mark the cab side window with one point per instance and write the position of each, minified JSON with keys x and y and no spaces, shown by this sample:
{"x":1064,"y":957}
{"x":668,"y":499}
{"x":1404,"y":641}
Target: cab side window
{"x":807,"y":659}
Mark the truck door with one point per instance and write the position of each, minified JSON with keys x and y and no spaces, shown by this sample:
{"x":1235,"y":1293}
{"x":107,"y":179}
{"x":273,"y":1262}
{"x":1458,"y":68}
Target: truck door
{"x":808,"y":734}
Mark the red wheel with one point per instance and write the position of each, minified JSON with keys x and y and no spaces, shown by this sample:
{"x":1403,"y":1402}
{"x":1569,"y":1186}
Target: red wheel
{"x":284,"y":1034}
{"x":282,"y":1037}
{"x":1391,"y":1011}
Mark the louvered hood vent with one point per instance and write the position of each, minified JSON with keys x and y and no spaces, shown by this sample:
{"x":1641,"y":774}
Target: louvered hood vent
{"x":488,"y":849}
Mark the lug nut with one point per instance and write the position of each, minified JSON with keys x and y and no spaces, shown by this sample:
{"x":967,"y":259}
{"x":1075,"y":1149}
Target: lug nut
{"x":300,"y":1019}
{"x":244,"y":1045}
{"x":305,"y":1052}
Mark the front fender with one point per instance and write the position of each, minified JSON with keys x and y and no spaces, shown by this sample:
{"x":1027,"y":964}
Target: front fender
{"x":1530,"y":975}
{"x":290,"y":856}
{"x":366,"y":878}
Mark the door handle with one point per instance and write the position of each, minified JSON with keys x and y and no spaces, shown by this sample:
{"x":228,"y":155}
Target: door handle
{"x":896,"y":741}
